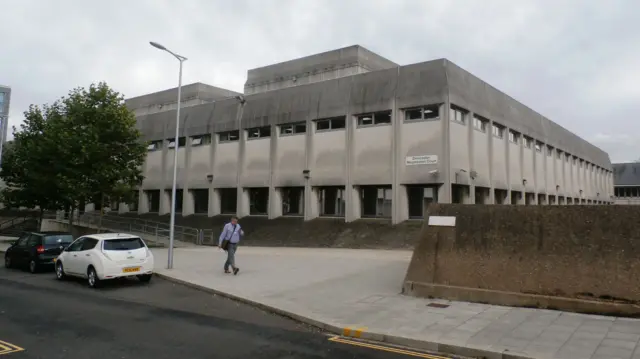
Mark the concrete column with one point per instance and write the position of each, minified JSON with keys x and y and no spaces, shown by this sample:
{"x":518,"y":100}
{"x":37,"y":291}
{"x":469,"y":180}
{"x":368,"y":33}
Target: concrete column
{"x":275,"y":194}
{"x":243,"y":202}
{"x":444,"y":192}
{"x":353,"y":204}
{"x":165,"y":202}
{"x":242,"y":207}
{"x":215,"y":207}
{"x":188,"y":202}
{"x":275,"y":203}
{"x":492,"y":195}
{"x":311,"y":208}
{"x":471,"y":138}
{"x":143,"y":202}
{"x":403,"y":203}
{"x":399,"y":206}
{"x":508,"y":162}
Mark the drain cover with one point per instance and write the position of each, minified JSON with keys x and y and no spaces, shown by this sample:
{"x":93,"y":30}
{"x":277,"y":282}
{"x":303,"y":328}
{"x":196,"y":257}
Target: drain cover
{"x":438,"y":305}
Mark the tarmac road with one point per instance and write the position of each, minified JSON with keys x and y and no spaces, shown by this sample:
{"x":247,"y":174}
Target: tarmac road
{"x":52,"y":320}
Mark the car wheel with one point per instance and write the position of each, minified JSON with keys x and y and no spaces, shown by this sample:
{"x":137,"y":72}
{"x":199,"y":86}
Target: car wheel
{"x":33,"y":266}
{"x":92,"y":278}
{"x":7,"y":262}
{"x":145,"y":278}
{"x":60,"y":271}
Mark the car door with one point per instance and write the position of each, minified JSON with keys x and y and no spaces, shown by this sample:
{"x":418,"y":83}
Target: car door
{"x":32,"y":246}
{"x":71,"y":259}
{"x":18,"y":252}
{"x":85,"y":254}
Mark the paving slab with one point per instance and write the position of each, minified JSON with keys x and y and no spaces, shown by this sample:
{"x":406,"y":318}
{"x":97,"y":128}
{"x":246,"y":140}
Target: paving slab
{"x":360,"y":289}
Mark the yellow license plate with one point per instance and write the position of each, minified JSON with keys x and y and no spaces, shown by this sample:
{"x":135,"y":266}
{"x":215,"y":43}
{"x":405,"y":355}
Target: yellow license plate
{"x":131,"y":270}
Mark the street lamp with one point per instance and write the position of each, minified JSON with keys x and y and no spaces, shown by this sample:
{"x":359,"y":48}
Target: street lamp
{"x":175,"y":154}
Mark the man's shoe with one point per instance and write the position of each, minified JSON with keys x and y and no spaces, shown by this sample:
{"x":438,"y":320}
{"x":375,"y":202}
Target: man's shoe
{"x":226,"y":271}
{"x":236,"y":270}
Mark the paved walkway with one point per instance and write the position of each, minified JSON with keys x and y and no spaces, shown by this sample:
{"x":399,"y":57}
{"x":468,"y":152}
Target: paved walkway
{"x":360,"y":288}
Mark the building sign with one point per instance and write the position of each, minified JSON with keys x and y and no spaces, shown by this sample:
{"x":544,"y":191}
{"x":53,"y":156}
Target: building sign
{"x":442,"y":221}
{"x":421,"y":160}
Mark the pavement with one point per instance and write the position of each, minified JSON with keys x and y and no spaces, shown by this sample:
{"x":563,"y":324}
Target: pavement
{"x":356,"y":292}
{"x":41,"y":317}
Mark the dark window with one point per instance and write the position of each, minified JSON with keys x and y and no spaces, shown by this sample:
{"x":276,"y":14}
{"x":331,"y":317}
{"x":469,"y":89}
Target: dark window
{"x":123,"y":244}
{"x":34,"y":240}
{"x":22,"y":241}
{"x":293,"y":128}
{"x":497,"y":130}
{"x":259,"y":132}
{"x":376,"y":118}
{"x":229,"y":136}
{"x":182,"y":141}
{"x":430,"y":112}
{"x":480,"y":123}
{"x":200,"y":140}
{"x":75,"y":247}
{"x":89,"y":244}
{"x":457,"y":114}
{"x":154,"y":146}
{"x":330,"y":123}
{"x":228,"y":200}
{"x":58,"y":239}
{"x":332,"y":202}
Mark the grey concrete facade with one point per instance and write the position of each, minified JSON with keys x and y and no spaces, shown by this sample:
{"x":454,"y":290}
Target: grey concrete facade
{"x":626,"y":181}
{"x":372,"y":144}
{"x":5,"y":101}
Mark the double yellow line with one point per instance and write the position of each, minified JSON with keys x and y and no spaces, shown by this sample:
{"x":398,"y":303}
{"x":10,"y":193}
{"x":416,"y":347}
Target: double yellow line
{"x":8,"y":348}
{"x":338,"y":339}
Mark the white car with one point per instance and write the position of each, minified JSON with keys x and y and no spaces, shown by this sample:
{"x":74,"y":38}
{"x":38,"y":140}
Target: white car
{"x":105,"y":256}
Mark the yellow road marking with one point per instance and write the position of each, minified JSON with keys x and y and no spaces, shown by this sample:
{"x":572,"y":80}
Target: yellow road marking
{"x":384,"y":348}
{"x":8,"y":348}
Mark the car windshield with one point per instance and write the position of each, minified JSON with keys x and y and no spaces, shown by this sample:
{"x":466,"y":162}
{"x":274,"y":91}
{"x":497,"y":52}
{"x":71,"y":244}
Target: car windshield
{"x":124,"y":244}
{"x":58,"y":239}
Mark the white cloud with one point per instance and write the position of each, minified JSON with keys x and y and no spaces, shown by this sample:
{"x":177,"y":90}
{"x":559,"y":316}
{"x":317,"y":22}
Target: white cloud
{"x":573,"y":60}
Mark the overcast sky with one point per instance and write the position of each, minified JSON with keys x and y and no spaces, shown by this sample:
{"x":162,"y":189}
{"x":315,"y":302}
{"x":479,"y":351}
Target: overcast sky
{"x":575,"y":61}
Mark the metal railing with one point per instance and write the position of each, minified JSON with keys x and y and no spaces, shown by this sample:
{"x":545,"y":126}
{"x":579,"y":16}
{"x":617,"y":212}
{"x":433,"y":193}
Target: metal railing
{"x":151,"y":229}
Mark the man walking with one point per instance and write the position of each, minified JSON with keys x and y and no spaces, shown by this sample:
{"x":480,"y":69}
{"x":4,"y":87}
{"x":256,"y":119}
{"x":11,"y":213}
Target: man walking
{"x":229,"y":239}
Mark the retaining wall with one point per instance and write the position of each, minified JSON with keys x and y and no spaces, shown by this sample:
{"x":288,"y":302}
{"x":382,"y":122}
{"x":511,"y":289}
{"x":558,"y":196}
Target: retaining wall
{"x":579,"y":258}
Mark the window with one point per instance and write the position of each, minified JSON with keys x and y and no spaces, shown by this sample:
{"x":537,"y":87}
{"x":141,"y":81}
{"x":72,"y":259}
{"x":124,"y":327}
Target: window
{"x":58,"y":240}
{"x":89,"y":244}
{"x":181,"y":142}
{"x":430,"y":112}
{"x":377,"y":118}
{"x":538,"y":146}
{"x":200,"y":140}
{"x":75,"y":247}
{"x":480,"y":123}
{"x":154,"y":145}
{"x":229,"y":136}
{"x":34,"y":240}
{"x":549,"y":151}
{"x":293,"y":128}
{"x":559,"y":154}
{"x":259,"y":132}
{"x":527,"y":141}
{"x":457,"y":114}
{"x":498,"y":130}
{"x":513,"y":136}
{"x":123,"y":244}
{"x":330,"y":123}
{"x":567,"y":157}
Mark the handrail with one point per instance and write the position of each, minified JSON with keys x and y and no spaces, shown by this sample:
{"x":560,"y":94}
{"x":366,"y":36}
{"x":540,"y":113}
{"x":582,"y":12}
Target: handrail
{"x":150,"y":228}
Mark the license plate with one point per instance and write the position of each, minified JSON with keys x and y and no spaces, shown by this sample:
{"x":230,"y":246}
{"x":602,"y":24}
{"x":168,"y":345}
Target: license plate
{"x":131,"y":270}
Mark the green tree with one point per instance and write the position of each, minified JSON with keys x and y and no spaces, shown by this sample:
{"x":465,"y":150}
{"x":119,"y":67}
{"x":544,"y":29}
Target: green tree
{"x":28,"y":168}
{"x":99,"y":143}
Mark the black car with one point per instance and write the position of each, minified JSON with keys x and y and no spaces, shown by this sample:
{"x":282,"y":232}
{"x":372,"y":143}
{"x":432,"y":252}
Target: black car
{"x":36,"y":250}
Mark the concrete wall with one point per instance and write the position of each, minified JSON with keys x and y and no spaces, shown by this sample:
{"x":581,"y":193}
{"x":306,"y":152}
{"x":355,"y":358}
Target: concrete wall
{"x":517,"y":255}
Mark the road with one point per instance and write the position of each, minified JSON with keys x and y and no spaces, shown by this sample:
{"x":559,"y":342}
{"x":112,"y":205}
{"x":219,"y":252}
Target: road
{"x":54,"y":320}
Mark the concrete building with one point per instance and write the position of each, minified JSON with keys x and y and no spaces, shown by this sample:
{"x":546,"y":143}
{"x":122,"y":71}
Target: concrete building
{"x":626,"y":181}
{"x":5,"y":100}
{"x":349,"y":133}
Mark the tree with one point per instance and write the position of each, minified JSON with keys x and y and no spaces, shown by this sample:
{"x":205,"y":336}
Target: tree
{"x":100,"y":144}
{"x":27,"y":169}
{"x":84,"y":147}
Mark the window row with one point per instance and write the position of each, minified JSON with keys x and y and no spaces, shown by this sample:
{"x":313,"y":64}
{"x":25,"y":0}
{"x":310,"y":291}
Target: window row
{"x":459,"y":115}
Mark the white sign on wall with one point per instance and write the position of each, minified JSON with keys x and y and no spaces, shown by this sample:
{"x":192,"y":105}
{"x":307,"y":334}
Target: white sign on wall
{"x":422,"y":160}
{"x":443,"y":221}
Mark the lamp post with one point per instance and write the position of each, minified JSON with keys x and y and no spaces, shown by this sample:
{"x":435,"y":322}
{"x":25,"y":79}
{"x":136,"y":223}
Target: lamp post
{"x":175,"y":155}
